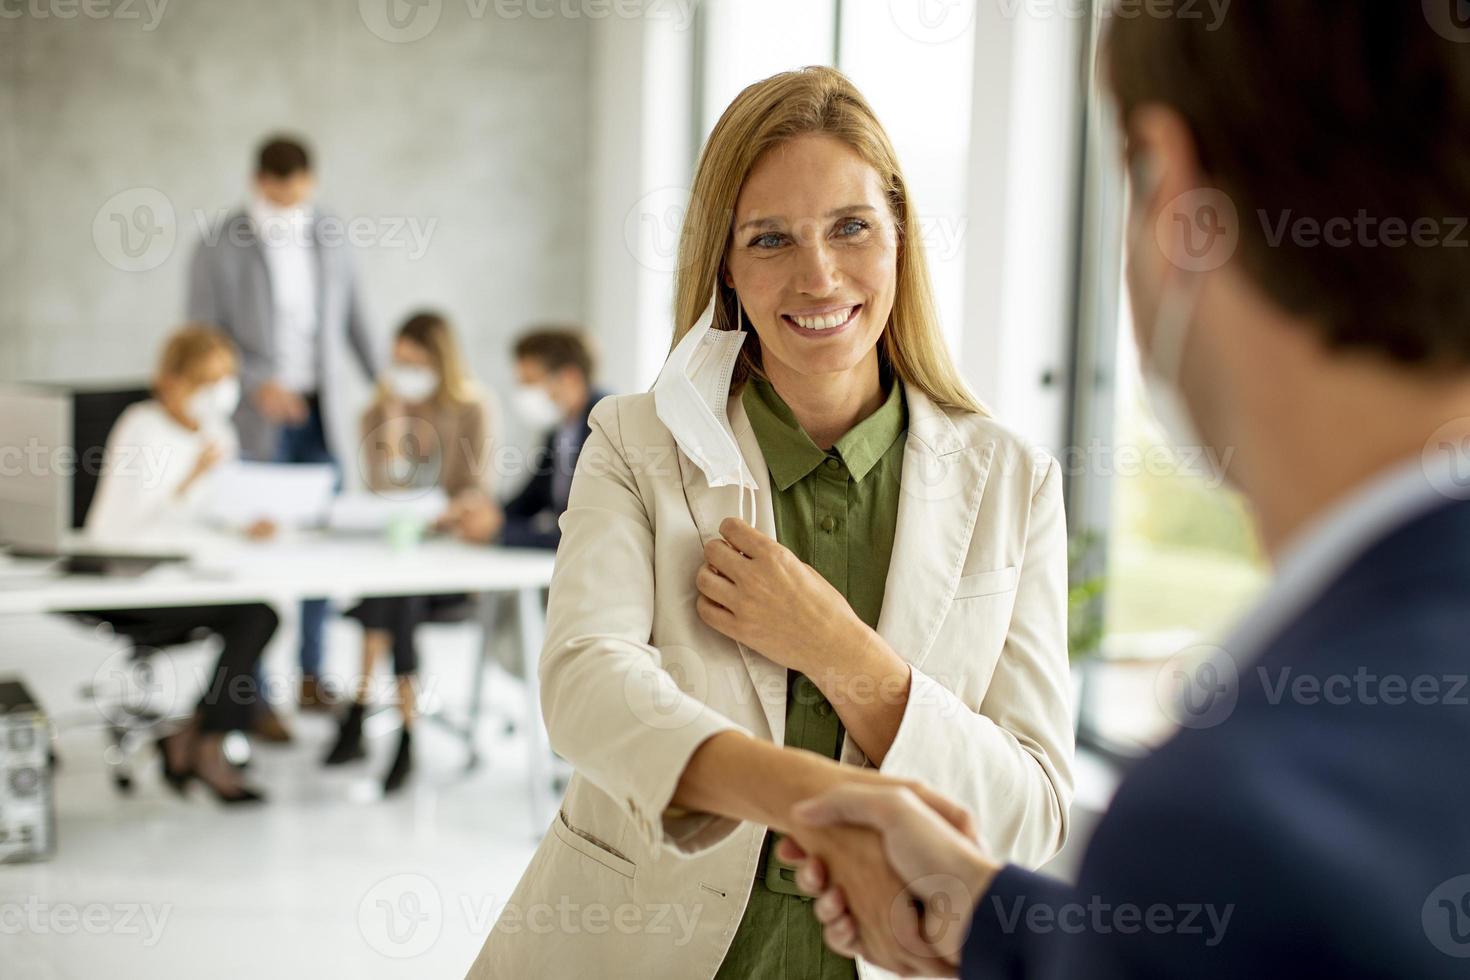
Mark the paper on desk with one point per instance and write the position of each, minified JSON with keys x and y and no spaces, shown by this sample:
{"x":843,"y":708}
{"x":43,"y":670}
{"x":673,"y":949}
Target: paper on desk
{"x":373,"y":512}
{"x":292,"y":495}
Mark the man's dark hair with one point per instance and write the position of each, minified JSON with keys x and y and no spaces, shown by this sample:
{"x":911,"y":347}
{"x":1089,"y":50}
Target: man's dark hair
{"x":1329,"y":110}
{"x":282,"y":157}
{"x":557,"y":347}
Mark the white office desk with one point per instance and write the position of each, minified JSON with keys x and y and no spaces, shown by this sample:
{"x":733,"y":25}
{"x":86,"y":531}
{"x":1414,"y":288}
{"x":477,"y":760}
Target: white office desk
{"x":306,"y":565}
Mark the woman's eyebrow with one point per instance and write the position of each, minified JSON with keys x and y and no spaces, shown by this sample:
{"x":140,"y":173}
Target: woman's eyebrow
{"x":775,"y":221}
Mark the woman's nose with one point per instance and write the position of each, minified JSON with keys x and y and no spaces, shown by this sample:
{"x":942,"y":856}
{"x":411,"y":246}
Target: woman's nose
{"x":816,"y":272}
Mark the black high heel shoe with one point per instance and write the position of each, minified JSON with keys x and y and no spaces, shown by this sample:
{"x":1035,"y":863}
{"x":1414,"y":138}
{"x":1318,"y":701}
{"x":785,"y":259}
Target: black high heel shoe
{"x":243,"y":794}
{"x":178,"y":779}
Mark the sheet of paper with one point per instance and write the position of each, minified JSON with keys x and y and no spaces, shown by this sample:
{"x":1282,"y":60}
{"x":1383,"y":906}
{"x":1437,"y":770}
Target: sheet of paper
{"x":293,"y":495}
{"x":373,"y":512}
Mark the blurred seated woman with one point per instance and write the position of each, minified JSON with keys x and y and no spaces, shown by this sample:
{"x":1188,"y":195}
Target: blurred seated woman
{"x":428,"y":427}
{"x":187,"y":433}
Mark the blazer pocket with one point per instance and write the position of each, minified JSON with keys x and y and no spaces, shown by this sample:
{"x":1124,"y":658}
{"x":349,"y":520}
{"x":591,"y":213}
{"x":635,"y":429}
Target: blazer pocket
{"x":590,"y":847}
{"x":988,"y":583}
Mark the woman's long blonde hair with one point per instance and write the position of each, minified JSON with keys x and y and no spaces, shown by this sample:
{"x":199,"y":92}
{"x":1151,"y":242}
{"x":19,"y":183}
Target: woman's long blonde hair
{"x":823,"y":101}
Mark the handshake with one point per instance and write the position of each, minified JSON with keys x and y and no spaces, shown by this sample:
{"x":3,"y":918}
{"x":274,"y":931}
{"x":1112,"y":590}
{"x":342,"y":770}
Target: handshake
{"x":896,"y":871}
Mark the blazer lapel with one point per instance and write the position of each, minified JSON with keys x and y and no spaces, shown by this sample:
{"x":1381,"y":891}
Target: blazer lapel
{"x":711,"y":505}
{"x":942,"y":484}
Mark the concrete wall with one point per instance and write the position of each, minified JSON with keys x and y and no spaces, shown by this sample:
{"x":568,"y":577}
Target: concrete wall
{"x":460,"y":154}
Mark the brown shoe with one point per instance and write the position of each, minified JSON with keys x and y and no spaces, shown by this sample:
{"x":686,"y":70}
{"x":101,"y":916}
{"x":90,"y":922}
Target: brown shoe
{"x":269,"y":727}
{"x":316,"y":696}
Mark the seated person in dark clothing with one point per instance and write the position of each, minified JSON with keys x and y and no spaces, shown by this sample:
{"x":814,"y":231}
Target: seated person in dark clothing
{"x":427,"y":427}
{"x":554,"y":368}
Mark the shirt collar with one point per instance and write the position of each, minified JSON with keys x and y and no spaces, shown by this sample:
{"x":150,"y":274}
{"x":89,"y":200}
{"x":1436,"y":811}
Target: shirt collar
{"x":791,"y":454}
{"x":1323,"y":550}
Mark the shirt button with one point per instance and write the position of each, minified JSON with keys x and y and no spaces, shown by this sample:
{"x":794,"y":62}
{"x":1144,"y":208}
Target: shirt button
{"x":829,"y":524}
{"x":833,"y":463}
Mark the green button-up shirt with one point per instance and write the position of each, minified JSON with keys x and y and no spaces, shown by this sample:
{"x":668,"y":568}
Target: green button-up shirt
{"x":837,"y":511}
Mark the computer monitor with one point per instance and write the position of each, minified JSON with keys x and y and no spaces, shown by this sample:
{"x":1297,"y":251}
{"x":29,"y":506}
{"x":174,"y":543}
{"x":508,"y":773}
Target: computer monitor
{"x":52,"y":441}
{"x":36,"y":467}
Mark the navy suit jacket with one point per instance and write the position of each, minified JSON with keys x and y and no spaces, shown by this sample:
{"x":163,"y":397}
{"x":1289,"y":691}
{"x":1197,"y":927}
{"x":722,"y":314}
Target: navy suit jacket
{"x":1322,"y":828}
{"x":531,"y":516}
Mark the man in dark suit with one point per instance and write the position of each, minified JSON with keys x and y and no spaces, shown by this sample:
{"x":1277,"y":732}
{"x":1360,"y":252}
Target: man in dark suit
{"x":1301,"y":181}
{"x":554,"y":391}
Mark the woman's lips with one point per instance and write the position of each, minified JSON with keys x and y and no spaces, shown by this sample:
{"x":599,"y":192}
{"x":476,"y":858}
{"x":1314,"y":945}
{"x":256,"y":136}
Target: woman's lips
{"x":826,"y":316}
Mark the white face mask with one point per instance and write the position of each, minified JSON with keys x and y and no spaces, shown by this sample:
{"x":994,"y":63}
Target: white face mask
{"x":535,"y":407}
{"x":1162,"y":365}
{"x":214,"y":404}
{"x":411,"y":382}
{"x":689,"y":397}
{"x":276,"y":225}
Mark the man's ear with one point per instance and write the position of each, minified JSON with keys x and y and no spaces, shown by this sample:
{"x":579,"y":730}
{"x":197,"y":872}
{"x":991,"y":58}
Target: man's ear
{"x":1163,"y":159}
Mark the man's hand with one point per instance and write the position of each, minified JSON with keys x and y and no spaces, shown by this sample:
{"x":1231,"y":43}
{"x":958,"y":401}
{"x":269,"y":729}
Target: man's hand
{"x":755,"y":591}
{"x":279,"y":406}
{"x":475,"y":518}
{"x":262,"y":529}
{"x":930,"y":844}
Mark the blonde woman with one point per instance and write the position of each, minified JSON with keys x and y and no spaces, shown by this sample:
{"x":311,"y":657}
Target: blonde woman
{"x":427,"y":427}
{"x":896,"y":613}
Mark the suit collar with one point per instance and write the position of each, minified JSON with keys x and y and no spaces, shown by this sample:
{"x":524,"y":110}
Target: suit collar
{"x":942,"y":484}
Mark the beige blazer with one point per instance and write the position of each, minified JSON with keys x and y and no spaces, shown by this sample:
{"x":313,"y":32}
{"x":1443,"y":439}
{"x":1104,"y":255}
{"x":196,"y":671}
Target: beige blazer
{"x":632,"y":681}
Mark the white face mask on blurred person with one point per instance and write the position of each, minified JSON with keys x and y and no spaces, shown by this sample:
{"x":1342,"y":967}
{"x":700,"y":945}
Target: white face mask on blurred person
{"x":535,"y":407}
{"x":412,"y":382}
{"x":212,"y":405}
{"x":689,"y":397}
{"x":1162,"y":364}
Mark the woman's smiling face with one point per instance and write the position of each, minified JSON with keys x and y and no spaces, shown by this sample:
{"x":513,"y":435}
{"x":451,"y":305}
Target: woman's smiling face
{"x":814,"y":257}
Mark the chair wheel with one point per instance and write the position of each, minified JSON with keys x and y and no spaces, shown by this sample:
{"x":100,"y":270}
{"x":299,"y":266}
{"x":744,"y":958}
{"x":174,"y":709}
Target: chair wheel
{"x":124,"y":783}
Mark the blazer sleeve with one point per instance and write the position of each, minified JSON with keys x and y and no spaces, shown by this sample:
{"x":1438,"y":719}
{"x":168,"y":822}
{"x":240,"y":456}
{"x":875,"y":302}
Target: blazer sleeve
{"x":358,"y":336}
{"x":1008,"y":759}
{"x":611,"y":709}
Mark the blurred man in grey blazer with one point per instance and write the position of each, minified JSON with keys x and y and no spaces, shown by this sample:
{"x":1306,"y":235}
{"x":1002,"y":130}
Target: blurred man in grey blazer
{"x":284,"y":288}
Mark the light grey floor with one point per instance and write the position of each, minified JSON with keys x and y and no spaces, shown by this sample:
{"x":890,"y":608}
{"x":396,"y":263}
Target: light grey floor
{"x":327,"y":880}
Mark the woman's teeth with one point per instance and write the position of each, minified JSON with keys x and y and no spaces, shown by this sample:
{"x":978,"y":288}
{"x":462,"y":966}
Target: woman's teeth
{"x":826,"y":321}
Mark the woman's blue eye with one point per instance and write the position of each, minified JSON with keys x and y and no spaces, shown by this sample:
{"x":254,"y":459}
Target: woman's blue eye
{"x":769,"y":240}
{"x":853,"y":226}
